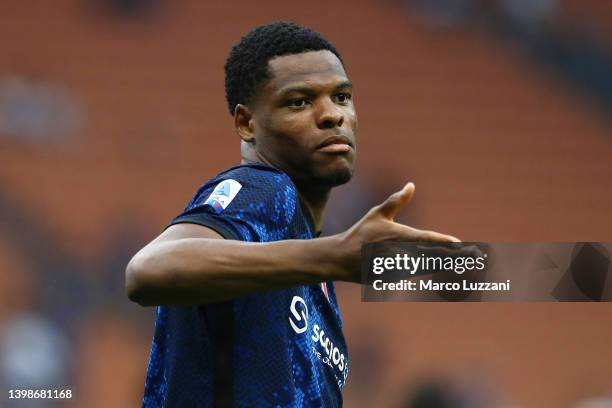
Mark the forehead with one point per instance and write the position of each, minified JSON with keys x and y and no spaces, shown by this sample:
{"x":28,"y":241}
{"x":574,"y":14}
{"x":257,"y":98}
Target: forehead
{"x":312,"y":67}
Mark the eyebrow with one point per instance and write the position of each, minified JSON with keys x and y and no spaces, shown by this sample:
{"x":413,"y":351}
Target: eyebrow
{"x":306,"y":89}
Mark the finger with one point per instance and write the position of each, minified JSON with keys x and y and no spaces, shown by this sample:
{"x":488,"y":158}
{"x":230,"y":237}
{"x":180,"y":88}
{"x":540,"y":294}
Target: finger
{"x":432,"y":236}
{"x":448,"y":249}
{"x":396,"y":201}
{"x":410,"y":234}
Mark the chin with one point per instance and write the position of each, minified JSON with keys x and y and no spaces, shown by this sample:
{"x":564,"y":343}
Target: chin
{"x":334,"y":178}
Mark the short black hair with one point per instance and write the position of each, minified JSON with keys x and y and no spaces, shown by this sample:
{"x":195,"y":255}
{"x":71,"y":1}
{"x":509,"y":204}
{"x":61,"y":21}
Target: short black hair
{"x":247,"y":64}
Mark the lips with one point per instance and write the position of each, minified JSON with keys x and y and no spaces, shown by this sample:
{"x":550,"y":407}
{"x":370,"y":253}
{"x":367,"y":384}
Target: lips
{"x":335,"y":144}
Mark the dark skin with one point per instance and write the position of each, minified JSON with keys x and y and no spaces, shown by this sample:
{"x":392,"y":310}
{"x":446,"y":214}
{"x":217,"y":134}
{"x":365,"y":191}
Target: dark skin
{"x":303,"y":122}
{"x":307,"y":101}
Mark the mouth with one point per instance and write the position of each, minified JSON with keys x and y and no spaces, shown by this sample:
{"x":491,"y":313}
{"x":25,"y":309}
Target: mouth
{"x":335,"y":144}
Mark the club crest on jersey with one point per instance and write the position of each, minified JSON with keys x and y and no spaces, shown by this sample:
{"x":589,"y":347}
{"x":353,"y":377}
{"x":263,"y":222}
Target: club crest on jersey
{"x":223,"y":194}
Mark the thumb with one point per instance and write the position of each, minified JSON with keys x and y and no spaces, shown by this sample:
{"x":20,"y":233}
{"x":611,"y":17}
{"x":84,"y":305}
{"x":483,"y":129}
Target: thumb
{"x":396,"y":201}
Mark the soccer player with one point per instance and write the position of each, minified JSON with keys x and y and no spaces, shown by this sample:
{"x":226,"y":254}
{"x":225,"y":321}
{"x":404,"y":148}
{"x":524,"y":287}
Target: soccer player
{"x":247,"y":314}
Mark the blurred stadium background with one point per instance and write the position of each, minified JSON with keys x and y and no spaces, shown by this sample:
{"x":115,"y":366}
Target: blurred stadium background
{"x":112,"y":112}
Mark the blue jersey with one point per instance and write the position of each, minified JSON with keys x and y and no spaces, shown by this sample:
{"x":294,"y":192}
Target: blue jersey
{"x":281,"y":348}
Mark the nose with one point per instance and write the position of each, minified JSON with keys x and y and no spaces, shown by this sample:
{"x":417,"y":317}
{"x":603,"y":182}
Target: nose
{"x":330,"y":115}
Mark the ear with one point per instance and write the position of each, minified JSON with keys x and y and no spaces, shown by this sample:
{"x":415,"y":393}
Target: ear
{"x":244,"y":123}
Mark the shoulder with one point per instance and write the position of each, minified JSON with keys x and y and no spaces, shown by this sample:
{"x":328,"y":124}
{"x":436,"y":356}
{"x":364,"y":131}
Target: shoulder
{"x":257,"y":202}
{"x":256,"y":176}
{"x":253,"y":181}
{"x":252,"y":186}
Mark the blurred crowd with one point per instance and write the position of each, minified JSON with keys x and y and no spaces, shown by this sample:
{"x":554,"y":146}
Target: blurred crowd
{"x":92,"y":169}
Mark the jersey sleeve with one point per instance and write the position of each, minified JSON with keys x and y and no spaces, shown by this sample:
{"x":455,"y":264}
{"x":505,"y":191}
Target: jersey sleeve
{"x":247,"y":204}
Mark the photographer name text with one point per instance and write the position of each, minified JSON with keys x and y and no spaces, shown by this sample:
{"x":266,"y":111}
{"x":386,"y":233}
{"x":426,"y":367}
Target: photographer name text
{"x":431,"y":285}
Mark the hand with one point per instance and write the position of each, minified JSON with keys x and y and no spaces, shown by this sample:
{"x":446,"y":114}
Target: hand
{"x":378,"y":225}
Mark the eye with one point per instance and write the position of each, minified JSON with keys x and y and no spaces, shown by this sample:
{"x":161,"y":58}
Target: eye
{"x":297,"y":103}
{"x":342,"y":97}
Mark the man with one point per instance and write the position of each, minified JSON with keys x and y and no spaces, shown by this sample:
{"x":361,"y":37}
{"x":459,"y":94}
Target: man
{"x":249,"y":316}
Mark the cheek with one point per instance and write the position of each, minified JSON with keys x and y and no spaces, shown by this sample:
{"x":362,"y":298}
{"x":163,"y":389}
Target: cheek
{"x":293,"y":130}
{"x":352,"y":120}
{"x":284,"y":141}
{"x":271,"y":132}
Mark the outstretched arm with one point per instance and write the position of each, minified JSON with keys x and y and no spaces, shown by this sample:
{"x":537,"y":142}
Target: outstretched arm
{"x":192,"y":264}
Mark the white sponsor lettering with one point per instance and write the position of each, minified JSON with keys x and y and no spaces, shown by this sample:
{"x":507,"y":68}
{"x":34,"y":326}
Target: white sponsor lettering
{"x":331,"y":356}
{"x":303,"y":317}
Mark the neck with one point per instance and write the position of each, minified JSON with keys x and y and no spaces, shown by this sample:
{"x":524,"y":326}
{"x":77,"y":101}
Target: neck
{"x":314,"y":198}
{"x":249,"y":154}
